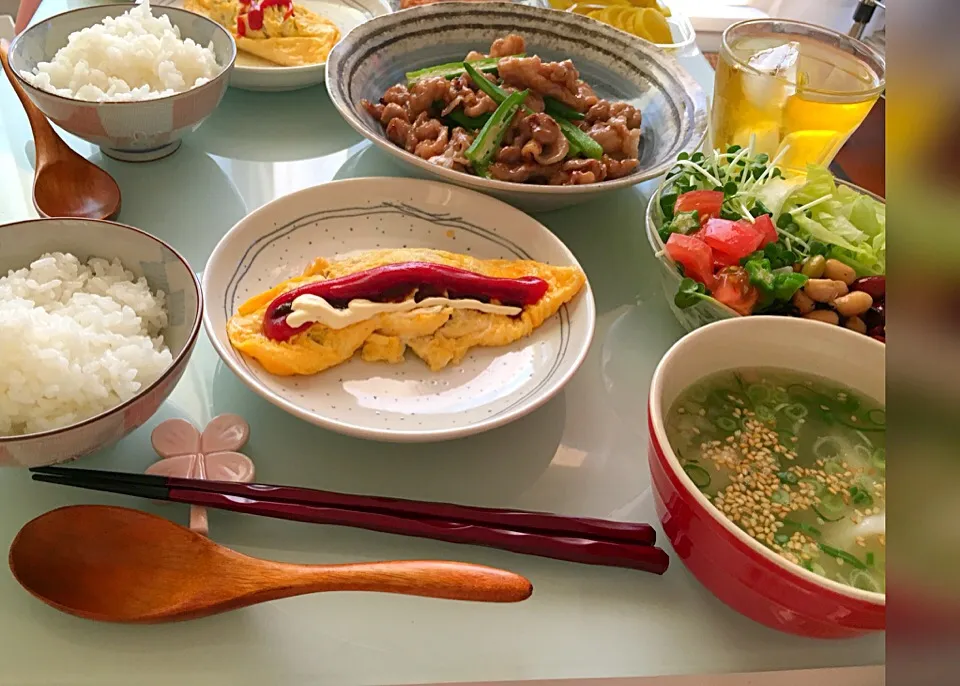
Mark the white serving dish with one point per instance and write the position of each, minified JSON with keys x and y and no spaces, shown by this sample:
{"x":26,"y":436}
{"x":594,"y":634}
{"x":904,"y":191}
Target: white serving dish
{"x":398,"y":402}
{"x":254,"y":74}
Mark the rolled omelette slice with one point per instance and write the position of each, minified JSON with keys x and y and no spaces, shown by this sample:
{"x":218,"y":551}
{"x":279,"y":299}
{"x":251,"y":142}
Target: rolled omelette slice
{"x":440,"y":336}
{"x":289,"y":39}
{"x":290,"y":52}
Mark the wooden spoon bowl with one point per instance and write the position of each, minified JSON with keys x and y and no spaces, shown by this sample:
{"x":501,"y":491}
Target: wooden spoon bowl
{"x":115,"y":564}
{"x":64,"y":183}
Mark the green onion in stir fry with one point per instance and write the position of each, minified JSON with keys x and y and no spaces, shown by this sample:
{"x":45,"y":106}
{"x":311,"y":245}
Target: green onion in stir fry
{"x":579,"y":141}
{"x":484,"y":147}
{"x":467,"y":122}
{"x":454,"y":69}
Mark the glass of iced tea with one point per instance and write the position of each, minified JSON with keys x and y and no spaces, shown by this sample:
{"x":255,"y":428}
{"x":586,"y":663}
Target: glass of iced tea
{"x":797,"y":89}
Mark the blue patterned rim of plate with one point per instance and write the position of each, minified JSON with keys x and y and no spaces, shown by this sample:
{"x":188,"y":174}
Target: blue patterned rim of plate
{"x":619,"y":66}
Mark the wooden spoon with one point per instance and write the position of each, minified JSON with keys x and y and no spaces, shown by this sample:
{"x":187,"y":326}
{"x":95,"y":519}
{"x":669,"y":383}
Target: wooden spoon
{"x":64,"y":183}
{"x":115,"y":564}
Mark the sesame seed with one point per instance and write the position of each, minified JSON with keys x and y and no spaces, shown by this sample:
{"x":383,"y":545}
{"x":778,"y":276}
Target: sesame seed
{"x":752,"y":491}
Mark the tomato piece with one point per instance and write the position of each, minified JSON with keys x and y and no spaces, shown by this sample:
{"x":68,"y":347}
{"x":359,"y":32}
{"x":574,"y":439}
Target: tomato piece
{"x":693,"y":255}
{"x":707,"y":203}
{"x":722,"y":259}
{"x":764,"y":226}
{"x":735,"y":238}
{"x":732,"y":288}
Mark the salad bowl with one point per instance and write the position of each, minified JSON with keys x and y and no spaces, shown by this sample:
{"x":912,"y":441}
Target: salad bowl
{"x":694,"y":310}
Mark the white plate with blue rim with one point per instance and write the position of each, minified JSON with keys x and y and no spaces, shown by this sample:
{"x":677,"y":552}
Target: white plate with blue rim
{"x":403,"y":402}
{"x":254,"y":74}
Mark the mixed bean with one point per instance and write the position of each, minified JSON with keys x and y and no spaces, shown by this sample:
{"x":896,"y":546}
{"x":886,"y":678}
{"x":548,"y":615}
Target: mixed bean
{"x":833,"y":294}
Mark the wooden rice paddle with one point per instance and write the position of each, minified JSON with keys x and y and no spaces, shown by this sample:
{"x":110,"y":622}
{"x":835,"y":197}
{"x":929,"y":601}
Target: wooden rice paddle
{"x":114,"y":564}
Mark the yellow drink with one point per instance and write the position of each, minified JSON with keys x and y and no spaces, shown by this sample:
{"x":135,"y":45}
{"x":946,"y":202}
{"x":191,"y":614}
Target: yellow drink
{"x":798,"y":90}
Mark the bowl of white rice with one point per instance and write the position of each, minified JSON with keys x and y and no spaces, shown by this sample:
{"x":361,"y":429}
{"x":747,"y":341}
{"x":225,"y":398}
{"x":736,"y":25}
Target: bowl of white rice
{"x":132,"y":79}
{"x":97,"y":324}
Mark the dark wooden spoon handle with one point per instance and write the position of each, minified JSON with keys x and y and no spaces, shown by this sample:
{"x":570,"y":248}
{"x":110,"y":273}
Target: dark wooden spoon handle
{"x":48,"y":144}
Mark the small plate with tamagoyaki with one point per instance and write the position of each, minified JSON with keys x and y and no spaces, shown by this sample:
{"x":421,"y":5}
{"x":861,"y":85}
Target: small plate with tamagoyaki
{"x":390,"y":361}
{"x":289,"y":49}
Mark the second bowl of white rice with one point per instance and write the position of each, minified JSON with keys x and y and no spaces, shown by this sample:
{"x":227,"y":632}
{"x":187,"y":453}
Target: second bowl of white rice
{"x":132,"y":79}
{"x":97,"y":323}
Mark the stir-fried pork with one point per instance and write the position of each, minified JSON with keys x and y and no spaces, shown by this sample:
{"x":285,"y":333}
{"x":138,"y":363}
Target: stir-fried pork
{"x":534,"y":148}
{"x":558,"y":80}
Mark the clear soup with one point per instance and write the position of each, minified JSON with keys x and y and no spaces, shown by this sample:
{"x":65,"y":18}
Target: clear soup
{"x":797,"y":462}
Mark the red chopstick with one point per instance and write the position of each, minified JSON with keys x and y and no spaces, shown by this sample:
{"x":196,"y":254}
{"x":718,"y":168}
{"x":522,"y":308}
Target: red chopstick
{"x":561,"y":546}
{"x":646,"y":558}
{"x":519,"y":520}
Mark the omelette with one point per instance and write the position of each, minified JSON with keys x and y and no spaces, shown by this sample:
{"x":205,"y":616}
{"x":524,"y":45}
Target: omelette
{"x":438,"y":324}
{"x":278,"y":31}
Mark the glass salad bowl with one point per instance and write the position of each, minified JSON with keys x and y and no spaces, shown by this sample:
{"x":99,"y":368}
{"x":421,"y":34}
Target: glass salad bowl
{"x":705,"y":310}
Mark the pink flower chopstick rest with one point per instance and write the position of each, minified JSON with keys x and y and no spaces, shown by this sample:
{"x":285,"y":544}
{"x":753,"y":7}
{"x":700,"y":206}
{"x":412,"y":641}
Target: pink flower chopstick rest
{"x":211,"y":455}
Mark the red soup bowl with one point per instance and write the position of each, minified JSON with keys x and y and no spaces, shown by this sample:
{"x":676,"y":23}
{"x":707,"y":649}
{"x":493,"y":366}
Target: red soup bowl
{"x":741,"y":572}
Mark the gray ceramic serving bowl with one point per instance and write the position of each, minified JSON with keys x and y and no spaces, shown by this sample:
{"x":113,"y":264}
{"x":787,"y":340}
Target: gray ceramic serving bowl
{"x":144,"y":255}
{"x":130,"y":131}
{"x":375,"y":56}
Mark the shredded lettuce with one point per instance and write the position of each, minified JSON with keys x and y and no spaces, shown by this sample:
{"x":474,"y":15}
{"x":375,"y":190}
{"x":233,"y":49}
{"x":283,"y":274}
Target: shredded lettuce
{"x":819,"y":183}
{"x":774,"y":193}
{"x":853,"y":225}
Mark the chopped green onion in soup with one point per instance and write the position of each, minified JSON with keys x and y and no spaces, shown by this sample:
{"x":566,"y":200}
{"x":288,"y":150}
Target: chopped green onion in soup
{"x":797,"y":462}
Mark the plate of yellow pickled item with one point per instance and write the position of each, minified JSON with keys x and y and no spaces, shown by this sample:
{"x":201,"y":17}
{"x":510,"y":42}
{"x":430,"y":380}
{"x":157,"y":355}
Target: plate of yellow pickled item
{"x":398,"y":309}
{"x":283,"y":44}
{"x":652,"y":20}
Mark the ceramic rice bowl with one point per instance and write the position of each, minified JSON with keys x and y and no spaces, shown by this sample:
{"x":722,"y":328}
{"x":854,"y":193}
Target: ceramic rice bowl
{"x":131,"y":131}
{"x":144,"y":255}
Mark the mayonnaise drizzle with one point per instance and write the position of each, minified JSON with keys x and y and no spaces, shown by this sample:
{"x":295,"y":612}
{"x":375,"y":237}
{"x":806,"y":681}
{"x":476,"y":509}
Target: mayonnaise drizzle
{"x":309,"y":309}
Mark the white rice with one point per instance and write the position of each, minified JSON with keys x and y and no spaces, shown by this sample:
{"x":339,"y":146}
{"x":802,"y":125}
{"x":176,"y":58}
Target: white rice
{"x":135,"y":56}
{"x":75,"y":340}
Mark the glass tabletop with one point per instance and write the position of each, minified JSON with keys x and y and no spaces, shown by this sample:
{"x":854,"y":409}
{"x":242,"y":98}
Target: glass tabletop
{"x":584,"y":453}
